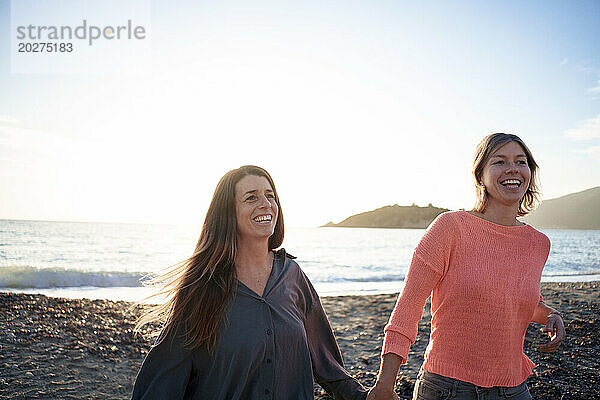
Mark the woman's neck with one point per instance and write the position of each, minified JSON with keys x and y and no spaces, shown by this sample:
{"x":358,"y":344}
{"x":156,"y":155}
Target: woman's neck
{"x":502,"y":214}
{"x":252,"y":254}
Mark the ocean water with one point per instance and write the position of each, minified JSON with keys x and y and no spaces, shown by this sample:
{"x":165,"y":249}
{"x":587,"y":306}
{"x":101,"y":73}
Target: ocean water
{"x":103,"y":260}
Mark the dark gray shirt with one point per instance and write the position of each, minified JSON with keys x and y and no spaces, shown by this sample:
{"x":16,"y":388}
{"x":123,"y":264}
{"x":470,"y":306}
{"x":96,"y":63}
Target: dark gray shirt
{"x":270,"y":348}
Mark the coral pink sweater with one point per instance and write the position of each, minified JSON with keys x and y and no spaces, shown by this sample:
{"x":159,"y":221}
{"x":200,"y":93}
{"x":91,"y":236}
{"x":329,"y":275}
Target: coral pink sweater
{"x":484,"y":280}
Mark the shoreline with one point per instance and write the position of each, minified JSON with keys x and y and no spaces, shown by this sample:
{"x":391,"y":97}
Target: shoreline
{"x":56,"y":348}
{"x":325,"y":289}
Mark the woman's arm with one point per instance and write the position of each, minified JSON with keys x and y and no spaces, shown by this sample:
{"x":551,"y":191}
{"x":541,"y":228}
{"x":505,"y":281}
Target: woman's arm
{"x":327,"y":364}
{"x":402,"y":328}
{"x":428,"y":266}
{"x":554,"y":325}
{"x":165,"y":371}
{"x":386,"y":379}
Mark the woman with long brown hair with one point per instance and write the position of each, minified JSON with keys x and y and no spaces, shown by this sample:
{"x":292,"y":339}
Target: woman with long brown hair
{"x":242,"y":320}
{"x":482,"y":269}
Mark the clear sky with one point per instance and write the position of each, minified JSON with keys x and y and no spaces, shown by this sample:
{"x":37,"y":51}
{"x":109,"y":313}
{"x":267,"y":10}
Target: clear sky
{"x":349,"y":105}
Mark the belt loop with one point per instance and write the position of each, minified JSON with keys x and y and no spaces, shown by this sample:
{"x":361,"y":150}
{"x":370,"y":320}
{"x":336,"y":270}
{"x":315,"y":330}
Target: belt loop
{"x":455,"y":387}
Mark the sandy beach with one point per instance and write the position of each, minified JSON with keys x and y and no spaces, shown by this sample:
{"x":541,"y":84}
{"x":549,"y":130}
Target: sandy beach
{"x":52,"y":348}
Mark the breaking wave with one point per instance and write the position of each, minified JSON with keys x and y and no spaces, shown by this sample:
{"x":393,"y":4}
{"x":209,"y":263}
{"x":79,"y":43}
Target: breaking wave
{"x":24,"y":277}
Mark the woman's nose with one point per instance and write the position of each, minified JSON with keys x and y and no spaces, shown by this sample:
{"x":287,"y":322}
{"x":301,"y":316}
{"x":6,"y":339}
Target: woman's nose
{"x":264,"y":202}
{"x":511,"y":167}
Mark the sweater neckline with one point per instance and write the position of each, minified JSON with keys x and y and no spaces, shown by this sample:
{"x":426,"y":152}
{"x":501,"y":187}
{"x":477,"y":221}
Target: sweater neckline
{"x":495,"y":225}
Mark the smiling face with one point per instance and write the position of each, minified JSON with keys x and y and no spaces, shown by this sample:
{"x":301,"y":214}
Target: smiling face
{"x":255,"y":207}
{"x":506,"y":175}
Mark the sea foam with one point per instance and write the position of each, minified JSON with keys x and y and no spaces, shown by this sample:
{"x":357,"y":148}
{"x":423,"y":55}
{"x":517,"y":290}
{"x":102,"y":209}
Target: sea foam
{"x":23,"y":276}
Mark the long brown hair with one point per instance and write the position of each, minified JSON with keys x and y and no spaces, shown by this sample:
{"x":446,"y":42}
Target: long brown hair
{"x":200,"y":289}
{"x":485,"y":149}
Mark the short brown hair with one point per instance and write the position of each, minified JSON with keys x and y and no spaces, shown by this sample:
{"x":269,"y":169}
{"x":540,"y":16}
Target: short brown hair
{"x":488,"y":146}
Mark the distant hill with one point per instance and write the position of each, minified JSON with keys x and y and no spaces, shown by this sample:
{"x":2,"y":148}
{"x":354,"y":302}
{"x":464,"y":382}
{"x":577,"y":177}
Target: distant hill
{"x":579,"y":210}
{"x":392,"y":217}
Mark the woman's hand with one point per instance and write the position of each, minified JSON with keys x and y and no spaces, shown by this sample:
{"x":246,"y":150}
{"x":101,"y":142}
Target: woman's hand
{"x":556,"y":330}
{"x":378,"y":393}
{"x":386,"y":379}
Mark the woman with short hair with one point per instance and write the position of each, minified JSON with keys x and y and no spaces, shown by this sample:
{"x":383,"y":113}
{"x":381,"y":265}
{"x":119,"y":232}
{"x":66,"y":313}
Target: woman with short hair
{"x":482,"y":269}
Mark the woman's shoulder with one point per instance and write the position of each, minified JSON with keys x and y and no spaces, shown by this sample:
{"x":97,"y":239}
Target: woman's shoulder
{"x":446,"y":223}
{"x":538,"y":235}
{"x":283,"y":254}
{"x":450,"y":216}
{"x":297,"y":283}
{"x":443,"y":232}
{"x":287,"y":260}
{"x":289,"y":266}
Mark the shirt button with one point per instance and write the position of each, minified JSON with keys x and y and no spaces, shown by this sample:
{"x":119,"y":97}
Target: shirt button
{"x":268,"y":361}
{"x":269,"y":331}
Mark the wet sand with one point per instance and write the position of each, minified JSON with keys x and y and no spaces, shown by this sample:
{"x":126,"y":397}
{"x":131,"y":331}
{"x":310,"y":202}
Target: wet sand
{"x":52,"y":348}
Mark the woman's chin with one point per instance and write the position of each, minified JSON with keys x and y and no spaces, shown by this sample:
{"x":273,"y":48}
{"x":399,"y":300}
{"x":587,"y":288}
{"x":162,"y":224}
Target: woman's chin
{"x":508,"y":198}
{"x":258,"y":234}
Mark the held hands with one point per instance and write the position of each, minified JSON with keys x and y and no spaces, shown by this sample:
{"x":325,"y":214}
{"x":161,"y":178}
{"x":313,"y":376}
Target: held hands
{"x":556,"y":330}
{"x":378,"y":393}
{"x":386,"y":379}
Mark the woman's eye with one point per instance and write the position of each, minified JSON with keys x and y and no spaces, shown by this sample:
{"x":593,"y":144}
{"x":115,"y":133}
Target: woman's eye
{"x":270,"y":196}
{"x":499,"y":162}
{"x":522,"y":162}
{"x":251,"y":198}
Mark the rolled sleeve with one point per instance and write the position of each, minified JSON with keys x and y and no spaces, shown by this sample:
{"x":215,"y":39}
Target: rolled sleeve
{"x":396,"y":343}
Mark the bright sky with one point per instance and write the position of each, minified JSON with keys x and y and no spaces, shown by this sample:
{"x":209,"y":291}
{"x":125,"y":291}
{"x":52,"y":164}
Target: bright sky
{"x":349,"y":105}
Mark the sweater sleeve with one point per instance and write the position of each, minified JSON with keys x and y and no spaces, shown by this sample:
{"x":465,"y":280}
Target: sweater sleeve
{"x":165,"y":371}
{"x":429,"y":264}
{"x":326,"y":359}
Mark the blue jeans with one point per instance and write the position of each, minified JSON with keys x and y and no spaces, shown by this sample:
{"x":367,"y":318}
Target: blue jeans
{"x":430,"y":386}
